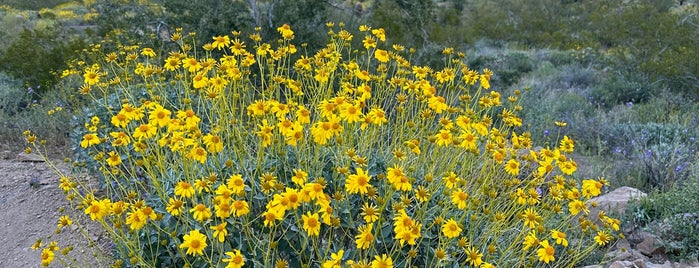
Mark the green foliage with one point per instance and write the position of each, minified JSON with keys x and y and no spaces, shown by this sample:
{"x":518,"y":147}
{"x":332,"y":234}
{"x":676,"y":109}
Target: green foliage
{"x":34,"y":4}
{"x":39,"y":56}
{"x":407,"y":22}
{"x":24,"y":108}
{"x":673,"y":216}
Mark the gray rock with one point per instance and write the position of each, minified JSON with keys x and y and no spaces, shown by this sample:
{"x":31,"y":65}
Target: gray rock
{"x":614,"y":201}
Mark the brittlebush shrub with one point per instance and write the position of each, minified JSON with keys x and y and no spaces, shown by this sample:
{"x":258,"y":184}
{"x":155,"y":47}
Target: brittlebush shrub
{"x":260,"y":155}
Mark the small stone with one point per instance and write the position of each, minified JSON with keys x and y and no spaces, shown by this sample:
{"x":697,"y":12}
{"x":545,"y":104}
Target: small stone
{"x":649,"y":246}
{"x":639,"y":263}
{"x":620,"y":264}
{"x":24,"y":157}
{"x":6,"y":155}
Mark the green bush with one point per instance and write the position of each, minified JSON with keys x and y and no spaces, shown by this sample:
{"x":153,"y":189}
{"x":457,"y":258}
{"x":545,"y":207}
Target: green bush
{"x":673,"y":216}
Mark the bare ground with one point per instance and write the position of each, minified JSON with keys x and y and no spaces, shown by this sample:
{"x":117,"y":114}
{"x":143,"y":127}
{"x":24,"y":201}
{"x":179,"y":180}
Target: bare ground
{"x":30,"y":200}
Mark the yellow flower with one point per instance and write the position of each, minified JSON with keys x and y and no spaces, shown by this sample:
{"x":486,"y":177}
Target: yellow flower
{"x":422,"y":194}
{"x":98,"y":209}
{"x":194,"y":242}
{"x":220,"y":231}
{"x":201,"y":212}
{"x":560,"y":237}
{"x":198,"y":154}
{"x":213,"y":143}
{"x":91,"y":77}
{"x":358,"y":183}
{"x":351,"y":113}
{"x":381,"y":55}
{"x":531,"y":218}
{"x":451,"y":180}
{"x":159,"y":117}
{"x":382,"y":261}
{"x":577,"y":206}
{"x":120,"y":120}
{"x":236,"y":184}
{"x":144,"y":131}
{"x":221,"y":42}
{"x":369,"y":42}
{"x":546,"y":252}
{"x":443,"y":138}
{"x":530,"y":241}
{"x":191,"y":64}
{"x":398,"y":179}
{"x":89,"y":139}
{"x":174,"y":207}
{"x":223,"y":209}
{"x":458,"y":198}
{"x":240,"y":208}
{"x":46,"y":257}
{"x":299,"y":177}
{"x":474,"y":257}
{"x":370,"y":213}
{"x":365,"y":237}
{"x":311,"y":224}
{"x":286,"y":32}
{"x":335,"y":260}
{"x":512,"y":167}
{"x":136,"y":220}
{"x":148,"y":52}
{"x":64,"y":221}
{"x":451,"y":229}
{"x":602,"y":238}
{"x":235,"y":260}
{"x":113,"y":159}
{"x":172,"y":63}
{"x":184,"y":189}
{"x":567,"y":145}
{"x":271,"y":215}
{"x":591,"y":188}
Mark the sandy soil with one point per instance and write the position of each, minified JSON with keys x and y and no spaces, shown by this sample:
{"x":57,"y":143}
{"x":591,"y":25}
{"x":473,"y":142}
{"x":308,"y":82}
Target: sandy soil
{"x":30,"y":200}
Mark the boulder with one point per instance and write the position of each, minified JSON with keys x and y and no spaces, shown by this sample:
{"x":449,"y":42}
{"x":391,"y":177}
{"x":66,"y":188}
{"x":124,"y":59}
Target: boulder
{"x":614,"y":202}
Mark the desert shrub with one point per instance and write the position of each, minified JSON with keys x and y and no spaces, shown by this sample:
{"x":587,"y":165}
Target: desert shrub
{"x":351,"y":155}
{"x":673,"y":217}
{"x":662,"y":154}
{"x":25,"y":108}
{"x":630,"y":87}
{"x":38,"y":56}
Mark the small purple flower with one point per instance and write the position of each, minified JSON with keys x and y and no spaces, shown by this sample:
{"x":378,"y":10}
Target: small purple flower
{"x":547,"y":133}
{"x":691,"y":138}
{"x":30,"y":90}
{"x":629,"y":103}
{"x":678,"y":169}
{"x":649,"y":153}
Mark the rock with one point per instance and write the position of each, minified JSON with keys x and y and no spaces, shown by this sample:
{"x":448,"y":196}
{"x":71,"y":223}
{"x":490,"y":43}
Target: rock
{"x":666,"y":264}
{"x":623,"y":245}
{"x":629,"y":254}
{"x":650,"y":245}
{"x":615,"y":201}
{"x":23,"y":157}
{"x":640,"y":263}
{"x":6,"y":155}
{"x":621,"y":264}
{"x":592,"y":266}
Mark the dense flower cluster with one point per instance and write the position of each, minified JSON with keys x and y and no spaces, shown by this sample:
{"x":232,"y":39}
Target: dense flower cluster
{"x":251,"y":155}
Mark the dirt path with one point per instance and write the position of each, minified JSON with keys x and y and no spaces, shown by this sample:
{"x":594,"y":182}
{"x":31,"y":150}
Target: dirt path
{"x":30,"y":200}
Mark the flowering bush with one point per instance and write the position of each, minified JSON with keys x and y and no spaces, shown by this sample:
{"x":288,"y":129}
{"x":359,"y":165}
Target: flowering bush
{"x":247,"y":154}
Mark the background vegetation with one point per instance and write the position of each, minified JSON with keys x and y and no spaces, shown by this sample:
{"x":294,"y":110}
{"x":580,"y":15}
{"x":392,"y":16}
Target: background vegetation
{"x":623,"y":75}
